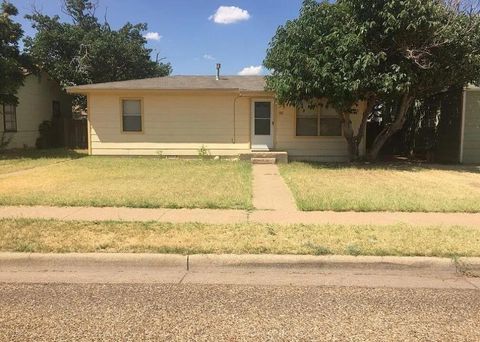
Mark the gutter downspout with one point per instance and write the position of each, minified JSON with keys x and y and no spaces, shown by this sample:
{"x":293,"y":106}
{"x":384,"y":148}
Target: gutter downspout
{"x":89,"y":125}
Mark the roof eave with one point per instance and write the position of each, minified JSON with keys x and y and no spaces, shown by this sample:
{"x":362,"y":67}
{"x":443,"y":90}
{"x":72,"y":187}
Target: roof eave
{"x":86,"y":90}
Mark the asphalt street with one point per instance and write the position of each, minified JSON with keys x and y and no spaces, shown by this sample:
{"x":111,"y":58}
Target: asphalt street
{"x":169,"y":312}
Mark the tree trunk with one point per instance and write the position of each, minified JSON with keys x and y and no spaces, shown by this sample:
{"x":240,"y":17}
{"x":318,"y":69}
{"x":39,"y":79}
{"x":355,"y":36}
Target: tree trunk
{"x":391,"y":129}
{"x":349,"y":134}
{"x":353,"y":141}
{"x":353,"y":150}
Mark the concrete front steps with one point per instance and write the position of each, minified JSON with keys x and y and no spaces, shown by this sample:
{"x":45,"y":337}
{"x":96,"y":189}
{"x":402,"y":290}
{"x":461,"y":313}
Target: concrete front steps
{"x":271,"y":157}
{"x":264,"y":160}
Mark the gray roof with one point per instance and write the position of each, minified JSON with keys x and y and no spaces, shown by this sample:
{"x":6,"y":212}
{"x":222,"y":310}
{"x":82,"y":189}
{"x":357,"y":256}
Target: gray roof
{"x":242,"y":83}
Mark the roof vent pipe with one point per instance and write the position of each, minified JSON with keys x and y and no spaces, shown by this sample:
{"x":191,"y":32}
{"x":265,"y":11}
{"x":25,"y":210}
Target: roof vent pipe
{"x":218,"y":71}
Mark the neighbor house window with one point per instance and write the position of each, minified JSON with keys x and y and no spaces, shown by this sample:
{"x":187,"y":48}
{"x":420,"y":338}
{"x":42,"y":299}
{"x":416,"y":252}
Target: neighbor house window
{"x":9,"y":118}
{"x":317,"y":122}
{"x":132,"y":115}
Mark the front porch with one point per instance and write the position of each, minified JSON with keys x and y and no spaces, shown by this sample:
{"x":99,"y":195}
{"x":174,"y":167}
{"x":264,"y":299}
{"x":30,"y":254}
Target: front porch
{"x":267,"y":157}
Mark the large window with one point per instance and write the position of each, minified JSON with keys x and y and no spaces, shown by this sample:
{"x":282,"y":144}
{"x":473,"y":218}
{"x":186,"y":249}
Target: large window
{"x":307,"y":122}
{"x":319,"y":121}
{"x":330,"y":126}
{"x":132,"y":115}
{"x":9,"y":118}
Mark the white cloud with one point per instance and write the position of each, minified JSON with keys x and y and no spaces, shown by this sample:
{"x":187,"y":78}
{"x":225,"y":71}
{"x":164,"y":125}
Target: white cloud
{"x":208,"y":57}
{"x":251,"y":71}
{"x":229,"y":15}
{"x":152,"y":36}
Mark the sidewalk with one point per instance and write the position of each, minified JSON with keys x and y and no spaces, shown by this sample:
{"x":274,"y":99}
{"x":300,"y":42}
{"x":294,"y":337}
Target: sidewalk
{"x":212,"y":216}
{"x":276,"y":270}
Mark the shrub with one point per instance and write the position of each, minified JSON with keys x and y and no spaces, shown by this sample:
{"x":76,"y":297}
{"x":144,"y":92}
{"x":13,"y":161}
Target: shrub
{"x":5,"y":140}
{"x":203,"y":152}
{"x":48,"y":136}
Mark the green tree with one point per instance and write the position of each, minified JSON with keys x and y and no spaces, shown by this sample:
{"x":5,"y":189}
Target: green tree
{"x":371,"y":51}
{"x":12,"y":62}
{"x":85,"y":51}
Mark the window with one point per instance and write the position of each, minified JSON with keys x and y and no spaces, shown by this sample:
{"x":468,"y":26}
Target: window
{"x":132,"y":115}
{"x":307,"y":123}
{"x":330,"y":126}
{"x":317,"y":122}
{"x":9,"y":118}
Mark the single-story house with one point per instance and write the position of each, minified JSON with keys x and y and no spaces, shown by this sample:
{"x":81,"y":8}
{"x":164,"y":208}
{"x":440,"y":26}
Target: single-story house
{"x":39,"y":99}
{"x":234,"y":116}
{"x":228,"y":116}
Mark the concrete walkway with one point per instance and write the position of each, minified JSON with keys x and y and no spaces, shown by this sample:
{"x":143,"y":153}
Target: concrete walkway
{"x":278,"y":270}
{"x":212,"y":216}
{"x":270,"y":191}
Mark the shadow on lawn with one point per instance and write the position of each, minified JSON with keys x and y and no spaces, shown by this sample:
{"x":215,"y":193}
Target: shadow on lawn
{"x":396,"y":166}
{"x":31,"y":153}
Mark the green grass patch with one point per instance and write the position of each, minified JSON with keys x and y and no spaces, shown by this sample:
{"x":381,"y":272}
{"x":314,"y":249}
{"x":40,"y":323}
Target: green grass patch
{"x":50,"y":236}
{"x":384,"y":187}
{"x":142,"y":182}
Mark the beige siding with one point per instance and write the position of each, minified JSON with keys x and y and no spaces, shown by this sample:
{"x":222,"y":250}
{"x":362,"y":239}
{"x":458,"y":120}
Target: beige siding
{"x":35,"y":106}
{"x":180,"y":123}
{"x":174,"y":124}
{"x":471,"y":135}
{"x":310,"y":148}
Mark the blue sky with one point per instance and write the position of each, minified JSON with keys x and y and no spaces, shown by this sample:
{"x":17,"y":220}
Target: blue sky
{"x":193,"y":34}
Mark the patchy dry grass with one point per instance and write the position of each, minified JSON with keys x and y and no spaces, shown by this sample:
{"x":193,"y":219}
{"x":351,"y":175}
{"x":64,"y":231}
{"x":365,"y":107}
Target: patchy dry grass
{"x":396,"y":187}
{"x":26,"y":235}
{"x":132,"y":182}
{"x":18,"y":160}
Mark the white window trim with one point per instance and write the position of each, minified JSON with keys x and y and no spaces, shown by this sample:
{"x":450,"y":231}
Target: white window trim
{"x":141,"y":115}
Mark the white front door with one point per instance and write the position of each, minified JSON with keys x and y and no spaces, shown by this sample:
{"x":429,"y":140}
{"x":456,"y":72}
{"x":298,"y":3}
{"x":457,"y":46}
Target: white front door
{"x":262,"y":125}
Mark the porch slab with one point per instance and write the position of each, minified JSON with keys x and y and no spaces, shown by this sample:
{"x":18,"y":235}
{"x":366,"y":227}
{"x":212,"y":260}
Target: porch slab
{"x":264,"y":161}
{"x":280,"y":157}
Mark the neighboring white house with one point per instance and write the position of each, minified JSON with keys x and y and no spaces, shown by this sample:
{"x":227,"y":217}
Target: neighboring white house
{"x":39,"y":99}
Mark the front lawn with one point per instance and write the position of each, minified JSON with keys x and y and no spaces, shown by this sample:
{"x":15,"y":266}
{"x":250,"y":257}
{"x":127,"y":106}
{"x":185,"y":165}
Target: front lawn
{"x":384,"y":187}
{"x":132,"y":182}
{"x":51,"y":236}
{"x":18,"y":160}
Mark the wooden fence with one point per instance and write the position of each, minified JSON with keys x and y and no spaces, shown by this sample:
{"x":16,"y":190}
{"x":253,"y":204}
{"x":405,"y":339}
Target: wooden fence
{"x":75,"y":133}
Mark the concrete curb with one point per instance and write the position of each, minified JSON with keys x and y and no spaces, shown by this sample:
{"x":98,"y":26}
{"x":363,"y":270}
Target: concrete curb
{"x":422,"y":266}
{"x":278,"y":270}
{"x":469,"y":267}
{"x":192,"y":262}
{"x":309,"y":261}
